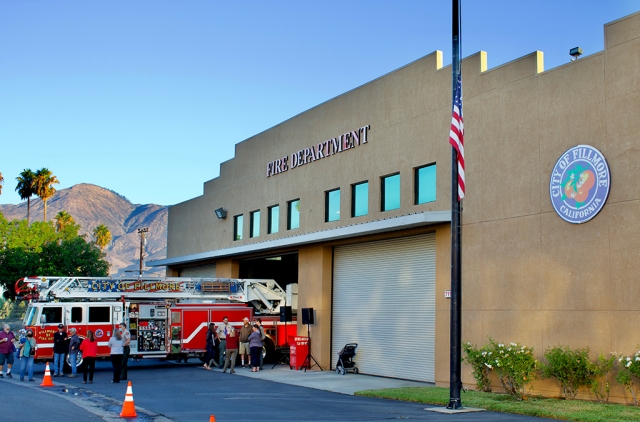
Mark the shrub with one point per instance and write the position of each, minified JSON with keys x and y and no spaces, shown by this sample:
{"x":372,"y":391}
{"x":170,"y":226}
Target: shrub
{"x":478,"y":359}
{"x":629,"y":371}
{"x":570,"y":367}
{"x":600,"y":385}
{"x":515,"y":366}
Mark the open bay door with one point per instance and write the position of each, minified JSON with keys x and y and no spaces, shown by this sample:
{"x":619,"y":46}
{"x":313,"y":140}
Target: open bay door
{"x":384,"y":300}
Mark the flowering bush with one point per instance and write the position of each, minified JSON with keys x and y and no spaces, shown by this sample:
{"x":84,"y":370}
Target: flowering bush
{"x":478,"y":358}
{"x":600,"y":385}
{"x":513,"y":364}
{"x":629,"y":371}
{"x":572,"y":368}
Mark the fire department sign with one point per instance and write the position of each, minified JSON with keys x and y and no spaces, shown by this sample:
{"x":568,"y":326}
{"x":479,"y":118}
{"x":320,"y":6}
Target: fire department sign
{"x":580,"y":183}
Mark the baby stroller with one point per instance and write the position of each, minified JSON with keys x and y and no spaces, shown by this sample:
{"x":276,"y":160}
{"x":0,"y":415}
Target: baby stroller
{"x":345,"y":359}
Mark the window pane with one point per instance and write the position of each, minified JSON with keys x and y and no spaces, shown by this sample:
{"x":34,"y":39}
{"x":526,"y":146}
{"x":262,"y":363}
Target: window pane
{"x":52,"y":315}
{"x":391,"y":193}
{"x":76,"y":314}
{"x":255,"y":224}
{"x":332,"y":204}
{"x":238,"y":224}
{"x":426,"y":184}
{"x":99,"y":314}
{"x":294,"y":214}
{"x":274,"y":218}
{"x":360,"y":199}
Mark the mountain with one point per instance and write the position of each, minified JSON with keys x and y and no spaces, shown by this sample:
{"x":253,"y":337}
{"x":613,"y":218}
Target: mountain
{"x":90,"y":206}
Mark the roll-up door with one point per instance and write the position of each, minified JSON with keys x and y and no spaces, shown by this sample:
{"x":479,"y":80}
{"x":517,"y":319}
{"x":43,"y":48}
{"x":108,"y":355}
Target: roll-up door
{"x":199,"y":271}
{"x":384,"y":300}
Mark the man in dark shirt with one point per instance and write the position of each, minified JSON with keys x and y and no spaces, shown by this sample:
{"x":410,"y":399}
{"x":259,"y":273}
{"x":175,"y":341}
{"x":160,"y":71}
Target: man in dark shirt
{"x":60,"y":348}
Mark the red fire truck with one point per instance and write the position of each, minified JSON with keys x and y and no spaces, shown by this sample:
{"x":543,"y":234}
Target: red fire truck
{"x":167,"y":317}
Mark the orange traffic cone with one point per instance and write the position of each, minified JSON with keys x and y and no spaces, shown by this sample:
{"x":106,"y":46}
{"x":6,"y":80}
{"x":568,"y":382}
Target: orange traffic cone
{"x":128,"y":408}
{"x":212,"y":418}
{"x":47,"y":381}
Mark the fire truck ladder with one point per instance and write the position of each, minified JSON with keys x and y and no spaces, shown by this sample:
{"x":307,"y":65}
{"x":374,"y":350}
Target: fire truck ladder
{"x":265,"y":295}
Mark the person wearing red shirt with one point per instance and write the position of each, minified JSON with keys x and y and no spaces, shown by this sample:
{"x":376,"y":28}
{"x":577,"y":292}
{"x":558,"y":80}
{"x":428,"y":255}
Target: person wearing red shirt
{"x":89,"y":348}
{"x":232,"y":350}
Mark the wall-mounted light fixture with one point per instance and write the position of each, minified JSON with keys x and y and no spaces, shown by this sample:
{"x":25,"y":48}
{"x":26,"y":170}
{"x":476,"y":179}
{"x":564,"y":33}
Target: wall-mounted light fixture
{"x":221,"y":213}
{"x":575,"y":53}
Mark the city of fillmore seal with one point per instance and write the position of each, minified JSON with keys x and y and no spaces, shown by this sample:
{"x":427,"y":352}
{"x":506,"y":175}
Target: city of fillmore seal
{"x":580,"y":183}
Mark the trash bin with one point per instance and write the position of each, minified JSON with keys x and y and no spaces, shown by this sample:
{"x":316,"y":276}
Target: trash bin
{"x":299,"y":346}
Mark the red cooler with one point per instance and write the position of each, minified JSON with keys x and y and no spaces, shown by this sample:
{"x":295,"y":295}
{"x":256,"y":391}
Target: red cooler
{"x":299,"y":350}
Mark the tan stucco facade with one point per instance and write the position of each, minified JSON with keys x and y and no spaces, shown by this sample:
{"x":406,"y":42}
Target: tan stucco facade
{"x":528,"y":276}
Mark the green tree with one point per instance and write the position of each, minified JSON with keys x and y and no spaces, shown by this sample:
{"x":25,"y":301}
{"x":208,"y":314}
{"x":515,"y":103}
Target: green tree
{"x":38,"y":249}
{"x":25,"y":188}
{"x":43,"y":186}
{"x":66,"y":226}
{"x":101,"y":236}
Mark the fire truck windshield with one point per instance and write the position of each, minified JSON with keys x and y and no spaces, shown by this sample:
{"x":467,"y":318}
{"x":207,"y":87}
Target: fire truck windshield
{"x":30,"y":316}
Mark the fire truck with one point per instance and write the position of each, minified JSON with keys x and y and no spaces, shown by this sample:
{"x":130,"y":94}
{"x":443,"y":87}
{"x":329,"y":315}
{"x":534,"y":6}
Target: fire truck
{"x":167,"y":317}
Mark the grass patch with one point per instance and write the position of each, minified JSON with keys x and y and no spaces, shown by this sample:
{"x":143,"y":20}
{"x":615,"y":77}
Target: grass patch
{"x":571,"y":410}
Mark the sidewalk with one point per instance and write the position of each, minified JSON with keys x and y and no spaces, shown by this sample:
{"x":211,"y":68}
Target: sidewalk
{"x":327,"y":380}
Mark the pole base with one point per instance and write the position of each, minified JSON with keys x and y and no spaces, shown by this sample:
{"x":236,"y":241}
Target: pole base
{"x":454,"y":404}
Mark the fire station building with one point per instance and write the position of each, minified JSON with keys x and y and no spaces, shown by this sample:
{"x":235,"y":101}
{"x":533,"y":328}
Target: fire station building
{"x":352,"y":200}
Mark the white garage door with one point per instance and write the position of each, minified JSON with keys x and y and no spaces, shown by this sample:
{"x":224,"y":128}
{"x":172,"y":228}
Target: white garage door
{"x":199,"y":271}
{"x":384,"y":300}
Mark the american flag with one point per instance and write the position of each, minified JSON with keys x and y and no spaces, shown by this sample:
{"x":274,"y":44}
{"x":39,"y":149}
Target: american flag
{"x":456,"y":136}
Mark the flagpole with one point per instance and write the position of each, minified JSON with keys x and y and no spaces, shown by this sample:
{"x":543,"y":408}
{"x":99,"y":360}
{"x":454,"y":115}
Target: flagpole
{"x":455,"y":381}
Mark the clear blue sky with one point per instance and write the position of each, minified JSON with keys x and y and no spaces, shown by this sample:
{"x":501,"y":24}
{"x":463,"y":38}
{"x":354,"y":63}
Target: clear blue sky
{"x":147,"y":98}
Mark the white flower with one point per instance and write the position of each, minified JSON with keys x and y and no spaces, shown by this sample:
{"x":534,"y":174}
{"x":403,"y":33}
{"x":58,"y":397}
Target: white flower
{"x":513,"y":344}
{"x":620,"y":358}
{"x":500,"y":345}
{"x":637,"y":358}
{"x":628,"y":364}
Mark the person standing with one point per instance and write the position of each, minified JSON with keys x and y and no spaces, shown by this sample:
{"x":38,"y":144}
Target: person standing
{"x":255,"y":343}
{"x":263,"y":335}
{"x":115,"y":344}
{"x":245,"y":332}
{"x":74,"y":347}
{"x":59,"y":350}
{"x":222,"y":331}
{"x":7,"y":339}
{"x":231,"y":350}
{"x":89,"y":348}
{"x":211,"y":344}
{"x":27,"y":352}
{"x":126,"y":340}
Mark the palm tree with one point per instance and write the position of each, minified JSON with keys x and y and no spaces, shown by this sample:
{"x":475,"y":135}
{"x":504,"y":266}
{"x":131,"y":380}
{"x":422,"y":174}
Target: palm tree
{"x":1,"y":183}
{"x":25,"y":188}
{"x":102,"y":236}
{"x":63,"y":219}
{"x":43,"y":186}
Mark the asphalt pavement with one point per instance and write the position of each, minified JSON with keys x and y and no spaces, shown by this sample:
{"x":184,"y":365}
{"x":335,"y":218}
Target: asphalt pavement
{"x":166,"y":391}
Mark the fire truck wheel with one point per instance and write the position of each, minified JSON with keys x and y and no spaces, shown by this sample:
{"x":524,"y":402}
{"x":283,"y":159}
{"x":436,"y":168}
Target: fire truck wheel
{"x":269,"y":351}
{"x":79,"y":362}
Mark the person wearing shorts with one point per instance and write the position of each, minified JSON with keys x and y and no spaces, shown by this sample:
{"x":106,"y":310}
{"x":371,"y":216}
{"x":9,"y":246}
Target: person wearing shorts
{"x":7,"y":338}
{"x":245,"y":350}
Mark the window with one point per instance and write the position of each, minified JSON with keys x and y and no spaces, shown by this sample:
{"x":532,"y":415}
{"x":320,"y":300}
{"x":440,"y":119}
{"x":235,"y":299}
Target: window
{"x":99,"y":314}
{"x":274,"y":218}
{"x":425,"y":184}
{"x":238,"y":223}
{"x":360,"y":199}
{"x":293,"y":219}
{"x":391,"y":192}
{"x":51,"y":315}
{"x":76,"y":314}
{"x":332,"y":205}
{"x":30,"y":316}
{"x":254,"y":224}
